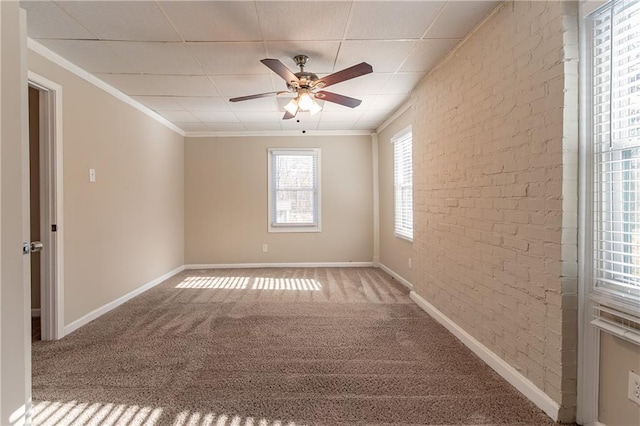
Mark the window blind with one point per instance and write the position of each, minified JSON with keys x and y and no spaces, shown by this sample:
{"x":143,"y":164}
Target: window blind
{"x":615,"y":114}
{"x":293,"y":192}
{"x":403,"y":184}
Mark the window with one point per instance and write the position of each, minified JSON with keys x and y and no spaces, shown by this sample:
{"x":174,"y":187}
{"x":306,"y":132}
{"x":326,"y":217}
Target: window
{"x":403,"y":184}
{"x":294,"y":190}
{"x":615,"y":144}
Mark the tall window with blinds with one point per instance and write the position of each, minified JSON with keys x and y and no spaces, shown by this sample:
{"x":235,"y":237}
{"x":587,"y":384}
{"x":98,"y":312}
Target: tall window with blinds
{"x":615,"y":124}
{"x":294,"y":190}
{"x":403,"y":184}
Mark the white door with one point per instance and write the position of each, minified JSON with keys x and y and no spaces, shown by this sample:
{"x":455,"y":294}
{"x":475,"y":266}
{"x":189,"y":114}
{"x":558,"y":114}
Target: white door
{"x":15,"y":318}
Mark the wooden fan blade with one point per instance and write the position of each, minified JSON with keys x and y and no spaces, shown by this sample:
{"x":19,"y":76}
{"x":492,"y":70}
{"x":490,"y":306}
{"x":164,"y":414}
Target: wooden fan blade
{"x":346,"y":74}
{"x":288,"y":115}
{"x":338,"y":99}
{"x":280,"y":69}
{"x":259,"y":95}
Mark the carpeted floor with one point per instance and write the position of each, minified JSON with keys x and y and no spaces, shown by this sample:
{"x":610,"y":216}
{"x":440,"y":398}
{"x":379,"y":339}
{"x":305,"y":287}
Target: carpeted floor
{"x":266,"y":347}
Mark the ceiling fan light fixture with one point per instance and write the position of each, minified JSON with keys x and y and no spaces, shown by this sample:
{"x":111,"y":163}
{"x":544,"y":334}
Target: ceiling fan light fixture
{"x":292,"y":106}
{"x":315,"y":108}
{"x":305,"y":101}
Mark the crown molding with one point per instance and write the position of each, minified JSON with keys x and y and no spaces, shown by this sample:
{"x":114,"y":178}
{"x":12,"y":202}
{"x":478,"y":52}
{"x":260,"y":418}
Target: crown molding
{"x":87,"y":76}
{"x":279,"y":133}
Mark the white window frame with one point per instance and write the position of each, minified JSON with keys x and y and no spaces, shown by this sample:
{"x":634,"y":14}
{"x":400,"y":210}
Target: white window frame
{"x":607,"y":295}
{"x":402,"y":140}
{"x":293,"y":227}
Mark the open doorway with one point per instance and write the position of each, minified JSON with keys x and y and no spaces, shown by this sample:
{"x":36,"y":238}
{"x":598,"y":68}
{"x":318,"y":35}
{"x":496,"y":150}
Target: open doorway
{"x":45,"y":164}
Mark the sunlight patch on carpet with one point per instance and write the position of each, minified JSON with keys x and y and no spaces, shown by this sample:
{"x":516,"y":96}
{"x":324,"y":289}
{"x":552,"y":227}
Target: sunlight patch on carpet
{"x":83,"y":413}
{"x":51,"y":413}
{"x":259,"y":283}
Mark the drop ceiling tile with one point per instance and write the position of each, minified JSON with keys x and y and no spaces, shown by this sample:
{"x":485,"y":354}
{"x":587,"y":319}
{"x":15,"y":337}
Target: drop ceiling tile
{"x":91,"y":55}
{"x":216,"y":117}
{"x":46,"y":20}
{"x":458,"y":18}
{"x":322,"y":54}
{"x":225,"y":127}
{"x":230,"y":58}
{"x":193,"y":127}
{"x":178,"y":116}
{"x":348,"y":115}
{"x":371,"y":20}
{"x":259,"y":117}
{"x":298,"y":126}
{"x":377,"y":116}
{"x":334,"y":125}
{"x":263,"y":126}
{"x":383,"y":56}
{"x":132,"y":84}
{"x":220,"y":20}
{"x":209,"y":103}
{"x":261,"y":104}
{"x":366,"y":125}
{"x":122,"y":20}
{"x":427,"y":54}
{"x":303,"y":20}
{"x":157,"y":58}
{"x":243,"y":85}
{"x":184,"y":85}
{"x":402,"y":83}
{"x":385,"y":102}
{"x":369,"y":84}
{"x":167,"y":103}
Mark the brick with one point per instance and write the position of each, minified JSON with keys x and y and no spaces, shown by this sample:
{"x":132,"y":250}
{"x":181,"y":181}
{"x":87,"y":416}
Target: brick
{"x":495,"y":191}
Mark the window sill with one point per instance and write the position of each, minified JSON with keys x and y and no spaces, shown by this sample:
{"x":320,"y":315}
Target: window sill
{"x":403,"y":237}
{"x":294,"y":229}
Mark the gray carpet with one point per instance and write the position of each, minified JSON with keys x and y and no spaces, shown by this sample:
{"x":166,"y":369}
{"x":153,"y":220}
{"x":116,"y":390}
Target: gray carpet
{"x":266,"y":347}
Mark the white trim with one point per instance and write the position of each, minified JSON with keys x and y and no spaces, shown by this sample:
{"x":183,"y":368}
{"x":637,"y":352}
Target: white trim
{"x":588,"y":380}
{"x":70,"y":328}
{"x":396,"y":276}
{"x":316,"y":226}
{"x":376,"y":198}
{"x":35,"y":313}
{"x":510,"y":374}
{"x":280,"y":265}
{"x":279,"y":133}
{"x":401,"y":110}
{"x":596,"y":423}
{"x":74,"y":69}
{"x":51,"y":188}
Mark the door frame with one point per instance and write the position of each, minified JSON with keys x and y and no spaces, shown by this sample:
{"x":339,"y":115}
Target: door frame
{"x":51,"y":206}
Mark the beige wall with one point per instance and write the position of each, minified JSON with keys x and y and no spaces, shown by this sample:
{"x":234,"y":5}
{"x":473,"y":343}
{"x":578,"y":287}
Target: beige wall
{"x":125,"y":229}
{"x":15,"y":346}
{"x":617,"y":358}
{"x":226,"y":202}
{"x":489,"y":178}
{"x":394,"y":252}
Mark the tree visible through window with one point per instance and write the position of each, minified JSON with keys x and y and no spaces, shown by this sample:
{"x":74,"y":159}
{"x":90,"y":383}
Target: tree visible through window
{"x":294,"y":190}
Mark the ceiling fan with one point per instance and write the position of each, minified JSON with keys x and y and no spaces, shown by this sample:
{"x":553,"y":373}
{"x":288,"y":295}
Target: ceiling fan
{"x":308,"y":86}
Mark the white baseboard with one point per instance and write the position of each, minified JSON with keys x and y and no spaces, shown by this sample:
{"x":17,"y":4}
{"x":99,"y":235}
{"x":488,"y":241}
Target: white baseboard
{"x":395,"y":275}
{"x":280,"y":265}
{"x":70,"y":328}
{"x":35,"y":313}
{"x":510,"y":374}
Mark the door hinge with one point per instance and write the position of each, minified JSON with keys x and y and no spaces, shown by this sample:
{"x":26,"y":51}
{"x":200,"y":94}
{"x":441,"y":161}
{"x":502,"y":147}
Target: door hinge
{"x":54,"y":228}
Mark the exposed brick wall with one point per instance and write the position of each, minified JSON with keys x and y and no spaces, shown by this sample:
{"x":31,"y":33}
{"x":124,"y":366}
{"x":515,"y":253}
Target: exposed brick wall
{"x":495,"y":204}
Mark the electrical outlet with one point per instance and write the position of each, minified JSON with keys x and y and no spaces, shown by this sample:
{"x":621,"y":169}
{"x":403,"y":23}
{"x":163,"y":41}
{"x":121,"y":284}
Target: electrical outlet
{"x":265,"y":248}
{"x":410,"y":263}
{"x":634,"y":387}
